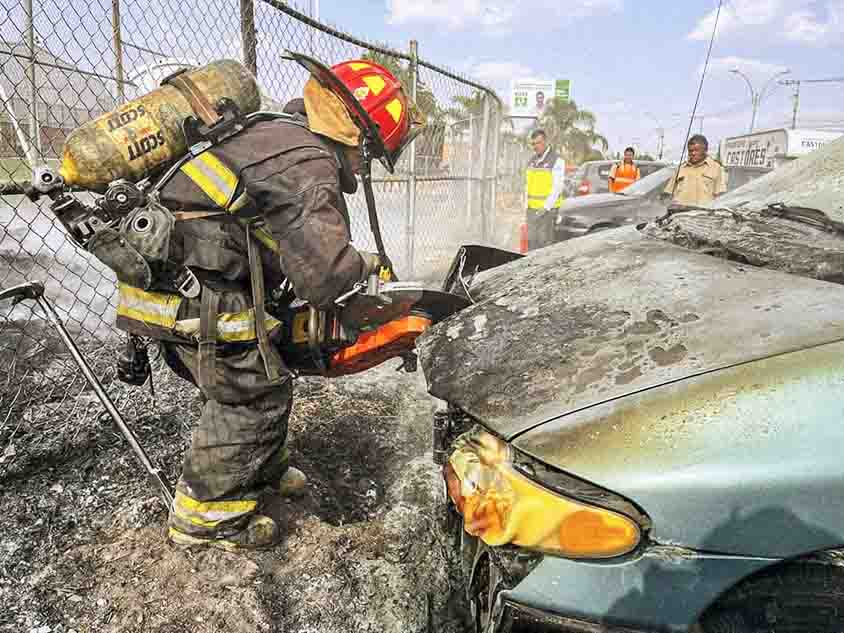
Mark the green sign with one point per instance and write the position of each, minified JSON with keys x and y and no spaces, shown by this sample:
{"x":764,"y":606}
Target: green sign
{"x":562,"y":90}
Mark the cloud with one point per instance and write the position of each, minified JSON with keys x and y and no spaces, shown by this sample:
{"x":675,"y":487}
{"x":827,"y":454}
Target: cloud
{"x":495,"y":16}
{"x":616,"y":107}
{"x":815,"y":22}
{"x":755,"y":68}
{"x":500,"y":72}
{"x":737,"y":15}
{"x":806,"y":27}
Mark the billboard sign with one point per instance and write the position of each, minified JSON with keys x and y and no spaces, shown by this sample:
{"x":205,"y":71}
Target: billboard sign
{"x":528,"y":97}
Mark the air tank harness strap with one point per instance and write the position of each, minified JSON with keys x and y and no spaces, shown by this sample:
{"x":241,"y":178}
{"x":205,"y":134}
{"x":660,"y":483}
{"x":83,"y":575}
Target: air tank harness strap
{"x":273,"y":363}
{"x":207,"y":352}
{"x":199,"y":103}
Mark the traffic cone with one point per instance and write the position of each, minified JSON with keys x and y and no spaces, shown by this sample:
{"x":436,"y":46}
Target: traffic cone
{"x":523,"y":238}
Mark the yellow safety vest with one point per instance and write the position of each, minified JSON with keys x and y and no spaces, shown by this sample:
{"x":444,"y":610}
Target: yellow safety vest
{"x":539,"y":185}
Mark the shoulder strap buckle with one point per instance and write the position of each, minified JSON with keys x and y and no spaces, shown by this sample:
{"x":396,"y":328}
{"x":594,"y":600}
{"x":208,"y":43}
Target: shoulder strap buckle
{"x":187,"y":284}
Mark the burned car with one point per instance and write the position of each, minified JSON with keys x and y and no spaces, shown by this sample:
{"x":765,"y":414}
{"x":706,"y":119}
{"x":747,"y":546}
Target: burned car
{"x":641,"y":428}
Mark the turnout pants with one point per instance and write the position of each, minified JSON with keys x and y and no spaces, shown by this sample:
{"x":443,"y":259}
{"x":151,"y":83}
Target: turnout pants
{"x":238,"y":449}
{"x":540,"y":228}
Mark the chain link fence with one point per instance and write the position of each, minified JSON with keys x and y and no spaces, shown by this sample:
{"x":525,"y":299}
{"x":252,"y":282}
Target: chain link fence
{"x":63,"y":64}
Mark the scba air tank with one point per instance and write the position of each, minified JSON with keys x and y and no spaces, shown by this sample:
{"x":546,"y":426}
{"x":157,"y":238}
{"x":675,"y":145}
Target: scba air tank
{"x":132,"y":141}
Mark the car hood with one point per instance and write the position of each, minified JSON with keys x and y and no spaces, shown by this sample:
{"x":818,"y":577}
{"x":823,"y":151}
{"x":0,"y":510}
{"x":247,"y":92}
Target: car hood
{"x":590,"y":320}
{"x":595,"y":199}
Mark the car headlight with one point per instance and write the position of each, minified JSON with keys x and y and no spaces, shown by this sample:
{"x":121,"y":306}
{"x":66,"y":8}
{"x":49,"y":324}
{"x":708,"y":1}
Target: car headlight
{"x":502,"y":506}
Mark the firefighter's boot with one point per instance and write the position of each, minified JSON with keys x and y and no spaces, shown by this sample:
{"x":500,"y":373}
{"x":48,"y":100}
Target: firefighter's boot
{"x":261,"y":532}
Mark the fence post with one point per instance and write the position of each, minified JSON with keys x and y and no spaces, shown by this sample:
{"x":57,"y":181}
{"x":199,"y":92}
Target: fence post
{"x":34,"y":128}
{"x":410,"y":229}
{"x":484,"y":162}
{"x":247,"y":36}
{"x":493,"y":185}
{"x":470,"y":181}
{"x":118,"y":50}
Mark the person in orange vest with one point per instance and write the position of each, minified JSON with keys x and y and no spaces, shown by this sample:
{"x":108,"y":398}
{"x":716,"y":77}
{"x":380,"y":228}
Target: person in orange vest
{"x":625,"y":173}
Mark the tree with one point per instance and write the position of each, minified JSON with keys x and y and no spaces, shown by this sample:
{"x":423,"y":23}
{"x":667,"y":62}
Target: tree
{"x":572,"y":130}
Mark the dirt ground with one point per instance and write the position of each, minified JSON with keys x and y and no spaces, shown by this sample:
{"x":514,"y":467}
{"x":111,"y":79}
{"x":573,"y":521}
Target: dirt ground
{"x":82,"y":545}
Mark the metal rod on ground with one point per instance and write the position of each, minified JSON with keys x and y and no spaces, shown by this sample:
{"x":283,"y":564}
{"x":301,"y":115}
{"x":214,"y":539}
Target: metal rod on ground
{"x":152,"y":471}
{"x":411,"y":185}
{"x":118,"y":49}
{"x":34,"y":128}
{"x":248,"y":39}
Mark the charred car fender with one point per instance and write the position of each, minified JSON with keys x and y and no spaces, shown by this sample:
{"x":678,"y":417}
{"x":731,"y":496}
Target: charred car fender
{"x":648,"y":593}
{"x":682,"y":452}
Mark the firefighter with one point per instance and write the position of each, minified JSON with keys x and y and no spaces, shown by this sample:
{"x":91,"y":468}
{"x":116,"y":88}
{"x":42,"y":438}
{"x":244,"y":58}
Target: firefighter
{"x":545,"y":176}
{"x":625,"y":173}
{"x":289,"y":174}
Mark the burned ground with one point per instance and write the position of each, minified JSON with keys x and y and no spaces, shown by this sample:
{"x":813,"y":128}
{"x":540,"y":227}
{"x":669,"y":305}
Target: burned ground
{"x":82,"y":544}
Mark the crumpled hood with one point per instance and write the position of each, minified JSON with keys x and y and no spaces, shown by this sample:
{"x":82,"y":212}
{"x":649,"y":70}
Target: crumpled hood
{"x":593,"y":319}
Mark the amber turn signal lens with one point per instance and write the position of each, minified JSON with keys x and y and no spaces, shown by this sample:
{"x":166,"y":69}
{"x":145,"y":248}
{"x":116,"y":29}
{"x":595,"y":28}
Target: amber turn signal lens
{"x":597,"y":534}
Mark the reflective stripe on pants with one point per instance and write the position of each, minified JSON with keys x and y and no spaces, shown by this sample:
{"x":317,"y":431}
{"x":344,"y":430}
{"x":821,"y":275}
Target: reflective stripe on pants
{"x":238,"y":447}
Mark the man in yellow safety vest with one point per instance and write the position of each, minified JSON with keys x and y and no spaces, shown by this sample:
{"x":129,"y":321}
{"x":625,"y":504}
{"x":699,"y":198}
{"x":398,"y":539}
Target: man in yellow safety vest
{"x":545,"y":178}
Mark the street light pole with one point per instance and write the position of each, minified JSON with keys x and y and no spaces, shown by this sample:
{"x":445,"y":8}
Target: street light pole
{"x":661,"y":132}
{"x":756,"y":97}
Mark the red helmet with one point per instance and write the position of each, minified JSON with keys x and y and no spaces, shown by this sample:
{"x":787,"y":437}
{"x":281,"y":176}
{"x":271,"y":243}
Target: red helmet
{"x":376,"y":101}
{"x":381,"y":95}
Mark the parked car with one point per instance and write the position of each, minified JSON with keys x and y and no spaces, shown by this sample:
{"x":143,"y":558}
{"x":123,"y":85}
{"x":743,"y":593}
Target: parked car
{"x":593,"y":176}
{"x":637,"y":203}
{"x":642,"y":428}
{"x":640,"y":202}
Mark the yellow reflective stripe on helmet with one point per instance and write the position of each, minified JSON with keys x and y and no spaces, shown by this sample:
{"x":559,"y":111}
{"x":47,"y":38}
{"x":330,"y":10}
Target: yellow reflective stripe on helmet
{"x":395,"y":109}
{"x":376,"y":84}
{"x":213,"y":177}
{"x":155,"y":308}
{"x":359,"y":65}
{"x":210,"y":513}
{"x":232,"y":327}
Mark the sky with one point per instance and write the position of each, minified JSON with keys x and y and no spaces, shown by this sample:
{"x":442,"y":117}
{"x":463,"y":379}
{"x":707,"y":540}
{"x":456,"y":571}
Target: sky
{"x":635,"y":63}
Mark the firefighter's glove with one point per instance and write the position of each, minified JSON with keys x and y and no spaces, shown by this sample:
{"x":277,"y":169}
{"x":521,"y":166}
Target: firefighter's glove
{"x":133,"y":366}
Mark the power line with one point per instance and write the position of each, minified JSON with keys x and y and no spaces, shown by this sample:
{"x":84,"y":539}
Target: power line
{"x":796,"y":83}
{"x":699,"y":91}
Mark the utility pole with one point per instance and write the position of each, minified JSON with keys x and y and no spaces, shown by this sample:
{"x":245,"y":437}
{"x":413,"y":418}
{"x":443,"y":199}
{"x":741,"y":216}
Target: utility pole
{"x":796,"y":98}
{"x":796,"y":83}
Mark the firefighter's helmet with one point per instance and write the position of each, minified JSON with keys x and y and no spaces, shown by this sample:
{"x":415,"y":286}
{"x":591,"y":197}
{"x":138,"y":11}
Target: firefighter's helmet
{"x":376,"y":101}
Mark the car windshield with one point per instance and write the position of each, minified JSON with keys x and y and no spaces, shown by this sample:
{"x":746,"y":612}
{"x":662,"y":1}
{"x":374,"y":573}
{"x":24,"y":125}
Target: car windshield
{"x":646,"y":185}
{"x":791,"y":219}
